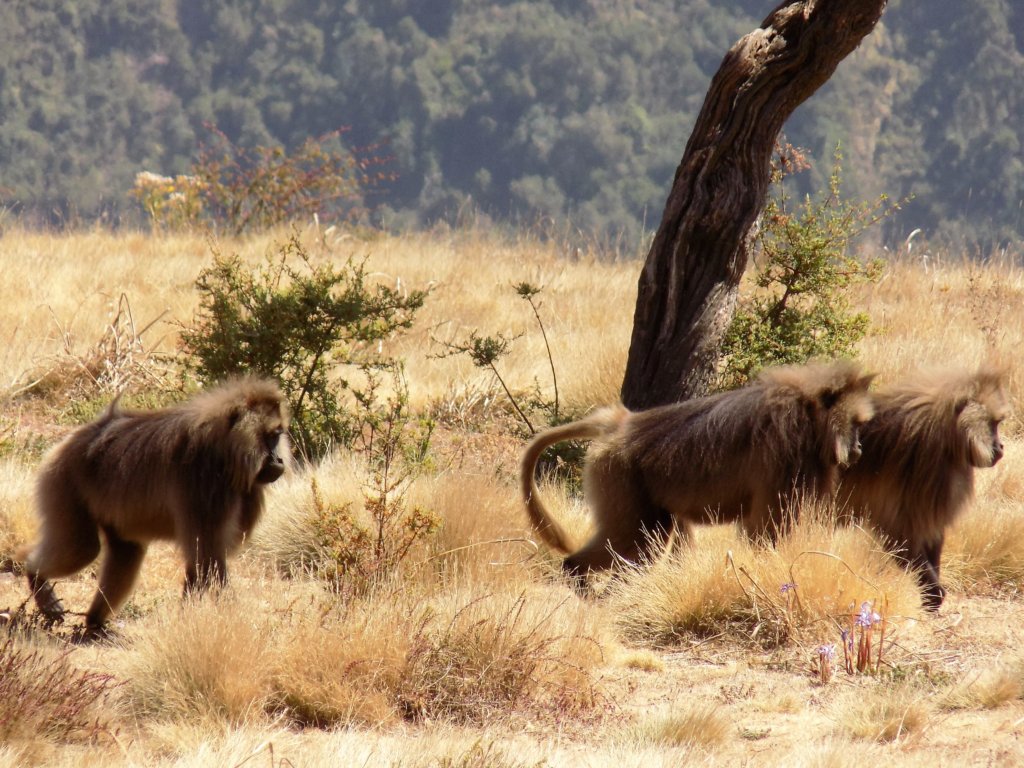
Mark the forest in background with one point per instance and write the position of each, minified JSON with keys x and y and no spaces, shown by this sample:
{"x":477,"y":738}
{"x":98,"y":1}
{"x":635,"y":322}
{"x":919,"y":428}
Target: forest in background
{"x":530,"y":112}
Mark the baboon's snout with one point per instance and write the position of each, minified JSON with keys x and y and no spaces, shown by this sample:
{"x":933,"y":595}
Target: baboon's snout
{"x":997,"y":451}
{"x":855,"y":451}
{"x":272,"y":469}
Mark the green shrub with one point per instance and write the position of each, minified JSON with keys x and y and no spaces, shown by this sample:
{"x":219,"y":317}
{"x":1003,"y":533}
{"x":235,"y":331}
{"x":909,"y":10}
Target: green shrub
{"x":313,"y":327}
{"x":800,"y":306}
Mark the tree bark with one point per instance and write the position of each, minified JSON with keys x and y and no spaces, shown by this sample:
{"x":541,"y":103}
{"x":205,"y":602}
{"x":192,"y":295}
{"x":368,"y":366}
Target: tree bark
{"x":688,"y":286}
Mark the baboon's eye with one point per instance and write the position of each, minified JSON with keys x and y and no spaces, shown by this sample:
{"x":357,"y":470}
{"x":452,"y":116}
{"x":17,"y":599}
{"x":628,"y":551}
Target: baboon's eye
{"x":273,"y":438}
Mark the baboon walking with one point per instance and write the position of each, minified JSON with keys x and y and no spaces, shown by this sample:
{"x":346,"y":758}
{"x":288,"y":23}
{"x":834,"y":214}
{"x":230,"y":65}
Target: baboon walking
{"x":920,"y":451}
{"x":745,"y":455}
{"x":193,"y":474}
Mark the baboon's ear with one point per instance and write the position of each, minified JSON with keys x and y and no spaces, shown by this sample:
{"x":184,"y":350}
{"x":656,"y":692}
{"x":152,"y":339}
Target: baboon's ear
{"x":865,"y":381}
{"x":960,"y":404}
{"x":234,"y":415}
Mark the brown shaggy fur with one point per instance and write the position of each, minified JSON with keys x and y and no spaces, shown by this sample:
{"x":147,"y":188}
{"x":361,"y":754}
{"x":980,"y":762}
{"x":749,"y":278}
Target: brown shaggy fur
{"x":920,"y":451}
{"x":744,"y":455}
{"x":193,"y":473}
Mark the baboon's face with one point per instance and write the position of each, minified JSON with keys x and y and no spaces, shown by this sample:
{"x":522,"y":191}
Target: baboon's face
{"x":269,"y":430}
{"x":854,"y":442}
{"x":979,"y":422}
{"x":849,"y":415}
{"x":274,"y":443}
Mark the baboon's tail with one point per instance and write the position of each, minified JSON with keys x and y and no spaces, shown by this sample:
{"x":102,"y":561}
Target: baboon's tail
{"x":595,"y":425}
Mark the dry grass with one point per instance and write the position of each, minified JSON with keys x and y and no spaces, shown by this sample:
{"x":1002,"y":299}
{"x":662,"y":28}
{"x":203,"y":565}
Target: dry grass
{"x":294,"y":652}
{"x":887,"y":714}
{"x":952,"y":313}
{"x":44,"y":696}
{"x":285,"y":537}
{"x":17,"y":521}
{"x":477,"y":654}
{"x":697,"y":727}
{"x":804,"y":589}
{"x":71,"y":287}
{"x":988,"y":688}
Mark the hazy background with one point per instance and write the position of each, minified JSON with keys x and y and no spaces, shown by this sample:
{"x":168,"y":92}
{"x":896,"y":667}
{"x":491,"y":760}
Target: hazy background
{"x":543,"y":113}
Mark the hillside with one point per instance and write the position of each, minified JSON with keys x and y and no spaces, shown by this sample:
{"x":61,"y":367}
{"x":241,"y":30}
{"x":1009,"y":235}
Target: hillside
{"x":552,"y":113}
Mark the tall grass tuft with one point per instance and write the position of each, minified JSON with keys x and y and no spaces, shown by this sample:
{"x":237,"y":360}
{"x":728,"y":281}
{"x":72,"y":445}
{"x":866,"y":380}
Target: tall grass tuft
{"x":477,"y":660}
{"x":206,"y":660}
{"x":343,"y":668}
{"x":703,"y":726}
{"x":886,"y":714}
{"x":987,"y":688}
{"x":986,"y":547}
{"x":494,"y":655}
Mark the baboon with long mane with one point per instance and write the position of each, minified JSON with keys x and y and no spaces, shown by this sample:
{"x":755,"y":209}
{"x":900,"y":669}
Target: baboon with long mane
{"x":916,"y":474}
{"x":746,"y":455}
{"x":194,"y":473}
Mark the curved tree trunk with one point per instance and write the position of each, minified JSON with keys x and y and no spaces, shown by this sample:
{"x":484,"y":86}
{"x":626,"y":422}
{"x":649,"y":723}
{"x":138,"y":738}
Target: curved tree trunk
{"x":688,"y":286}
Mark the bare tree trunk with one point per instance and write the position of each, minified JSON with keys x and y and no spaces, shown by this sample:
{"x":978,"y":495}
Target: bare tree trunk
{"x":687,"y":290}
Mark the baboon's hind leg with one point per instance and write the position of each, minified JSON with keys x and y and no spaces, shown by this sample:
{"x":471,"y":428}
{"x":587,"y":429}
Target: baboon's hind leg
{"x":630,"y":528}
{"x":69,"y":541}
{"x":47,"y":602}
{"x":656,"y":529}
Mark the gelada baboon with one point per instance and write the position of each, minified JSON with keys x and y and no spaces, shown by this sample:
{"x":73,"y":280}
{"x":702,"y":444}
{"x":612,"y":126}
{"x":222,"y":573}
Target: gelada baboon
{"x":744,"y":455}
{"x":920,"y":451}
{"x":193,"y":474}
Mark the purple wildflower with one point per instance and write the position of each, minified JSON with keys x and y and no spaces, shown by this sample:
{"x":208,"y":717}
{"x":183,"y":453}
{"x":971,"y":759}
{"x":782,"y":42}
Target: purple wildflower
{"x":847,"y":638}
{"x":865,"y":617}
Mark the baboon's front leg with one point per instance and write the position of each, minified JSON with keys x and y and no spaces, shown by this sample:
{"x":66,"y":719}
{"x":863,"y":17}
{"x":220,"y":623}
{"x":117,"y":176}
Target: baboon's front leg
{"x":120,"y":568}
{"x":926,"y":563}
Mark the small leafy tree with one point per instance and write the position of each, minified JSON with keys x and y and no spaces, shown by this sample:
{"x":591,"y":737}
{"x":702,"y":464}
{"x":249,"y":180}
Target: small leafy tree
{"x":485,"y":352}
{"x":310,"y":326}
{"x":252,"y":189}
{"x":244,"y":189}
{"x":354,"y":551}
{"x":800,"y":306}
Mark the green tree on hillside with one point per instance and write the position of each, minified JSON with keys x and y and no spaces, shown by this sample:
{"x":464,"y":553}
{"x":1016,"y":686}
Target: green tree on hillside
{"x":525,"y":110}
